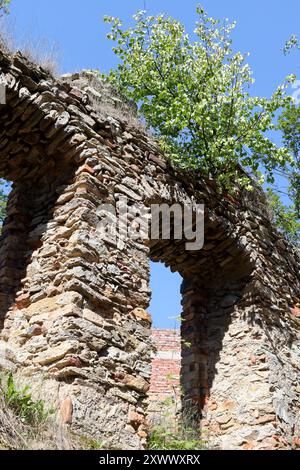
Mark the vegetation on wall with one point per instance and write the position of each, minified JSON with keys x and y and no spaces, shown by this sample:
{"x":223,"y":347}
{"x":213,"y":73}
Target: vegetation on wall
{"x":290,"y":126}
{"x":287,"y":216}
{"x":176,"y":431}
{"x":195,"y":94}
{"x":168,"y":438}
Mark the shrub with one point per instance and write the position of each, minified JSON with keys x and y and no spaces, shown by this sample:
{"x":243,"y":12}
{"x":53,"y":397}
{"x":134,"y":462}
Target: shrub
{"x":176,"y":430}
{"x":163,"y":438}
{"x":195,"y":94}
{"x":21,"y":403}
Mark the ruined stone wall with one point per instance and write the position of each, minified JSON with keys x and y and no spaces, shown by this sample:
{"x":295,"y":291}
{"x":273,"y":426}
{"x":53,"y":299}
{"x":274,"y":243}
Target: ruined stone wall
{"x":75,"y":325}
{"x":165,"y":391}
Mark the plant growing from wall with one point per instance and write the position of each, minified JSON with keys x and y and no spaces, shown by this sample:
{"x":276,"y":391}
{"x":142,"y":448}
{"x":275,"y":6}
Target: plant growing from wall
{"x":195,"y":94}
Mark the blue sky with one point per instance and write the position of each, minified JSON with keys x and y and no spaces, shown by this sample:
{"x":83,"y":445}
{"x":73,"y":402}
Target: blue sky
{"x":76,"y":31}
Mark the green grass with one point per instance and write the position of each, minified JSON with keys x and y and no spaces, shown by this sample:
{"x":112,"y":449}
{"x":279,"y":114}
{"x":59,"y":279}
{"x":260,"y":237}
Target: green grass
{"x":162,"y":438}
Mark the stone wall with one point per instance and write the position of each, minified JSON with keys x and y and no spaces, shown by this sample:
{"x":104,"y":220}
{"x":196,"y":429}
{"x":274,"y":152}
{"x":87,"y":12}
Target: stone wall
{"x":73,"y":304}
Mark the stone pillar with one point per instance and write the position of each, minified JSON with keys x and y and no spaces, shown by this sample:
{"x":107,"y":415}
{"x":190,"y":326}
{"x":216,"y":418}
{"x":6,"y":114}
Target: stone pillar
{"x":237,"y":370}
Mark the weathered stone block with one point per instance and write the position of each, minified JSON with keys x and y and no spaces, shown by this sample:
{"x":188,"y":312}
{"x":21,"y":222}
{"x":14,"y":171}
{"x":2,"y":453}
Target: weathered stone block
{"x":56,"y":353}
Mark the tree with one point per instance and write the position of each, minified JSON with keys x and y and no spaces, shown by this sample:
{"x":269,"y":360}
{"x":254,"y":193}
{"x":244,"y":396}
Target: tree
{"x":289,"y":123}
{"x":4,"y":4}
{"x":288,"y":217}
{"x":285,"y":217}
{"x":3,"y":200}
{"x":196,"y":96}
{"x":3,"y":10}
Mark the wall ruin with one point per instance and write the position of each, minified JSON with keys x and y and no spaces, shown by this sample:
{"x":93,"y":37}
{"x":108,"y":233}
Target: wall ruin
{"x":74,"y":305}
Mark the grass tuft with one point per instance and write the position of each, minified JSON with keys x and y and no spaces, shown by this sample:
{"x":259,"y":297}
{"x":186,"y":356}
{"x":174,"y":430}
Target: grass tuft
{"x":36,"y":49}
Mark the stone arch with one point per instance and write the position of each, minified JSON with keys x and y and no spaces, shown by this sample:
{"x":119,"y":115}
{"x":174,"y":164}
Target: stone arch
{"x":74,"y":304}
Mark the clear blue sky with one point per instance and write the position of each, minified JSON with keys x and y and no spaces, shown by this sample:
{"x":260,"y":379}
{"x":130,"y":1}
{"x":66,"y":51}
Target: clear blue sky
{"x":75,"y":28}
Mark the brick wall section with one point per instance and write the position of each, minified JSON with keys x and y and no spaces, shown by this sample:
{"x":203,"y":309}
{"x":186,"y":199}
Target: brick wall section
{"x":166,"y":364}
{"x":72,"y":302}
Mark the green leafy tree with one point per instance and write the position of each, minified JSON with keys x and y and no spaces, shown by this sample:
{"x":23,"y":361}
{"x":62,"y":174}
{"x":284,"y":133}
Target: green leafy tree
{"x":20,"y":401}
{"x":288,"y":217}
{"x":289,"y":124}
{"x":196,"y":96}
{"x":4,"y":4}
{"x":3,"y":200}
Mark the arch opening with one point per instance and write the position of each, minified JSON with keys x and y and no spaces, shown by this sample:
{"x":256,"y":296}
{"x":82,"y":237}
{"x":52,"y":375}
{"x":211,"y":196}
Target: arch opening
{"x":85,"y":295}
{"x":213,"y":295}
{"x":165,"y":310}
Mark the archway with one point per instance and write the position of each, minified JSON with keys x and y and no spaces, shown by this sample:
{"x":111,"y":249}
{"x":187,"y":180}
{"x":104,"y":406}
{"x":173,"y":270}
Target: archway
{"x":214,"y":301}
{"x":165,"y":309}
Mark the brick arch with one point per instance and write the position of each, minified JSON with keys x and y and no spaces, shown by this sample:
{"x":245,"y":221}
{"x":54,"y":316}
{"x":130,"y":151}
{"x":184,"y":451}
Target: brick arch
{"x":74,"y":304}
